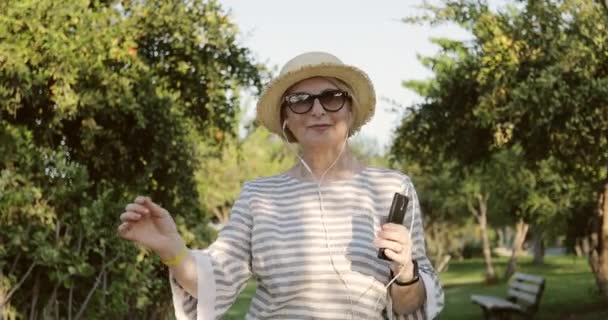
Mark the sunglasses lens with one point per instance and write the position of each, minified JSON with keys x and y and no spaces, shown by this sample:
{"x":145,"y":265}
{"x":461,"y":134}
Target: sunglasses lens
{"x":330,"y":100}
{"x":299,"y":102}
{"x":333,"y":100}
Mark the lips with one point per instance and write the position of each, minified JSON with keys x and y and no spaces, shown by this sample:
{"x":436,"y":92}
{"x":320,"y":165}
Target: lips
{"x":319,"y":128}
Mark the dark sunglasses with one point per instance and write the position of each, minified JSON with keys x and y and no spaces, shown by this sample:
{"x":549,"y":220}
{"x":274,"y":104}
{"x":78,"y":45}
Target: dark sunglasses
{"x":302,"y":102}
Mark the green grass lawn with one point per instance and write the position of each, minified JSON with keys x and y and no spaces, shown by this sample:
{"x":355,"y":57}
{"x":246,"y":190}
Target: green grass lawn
{"x":569,"y":291}
{"x":241,"y":305}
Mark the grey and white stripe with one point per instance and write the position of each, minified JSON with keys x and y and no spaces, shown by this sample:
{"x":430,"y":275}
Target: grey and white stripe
{"x":275,"y":232}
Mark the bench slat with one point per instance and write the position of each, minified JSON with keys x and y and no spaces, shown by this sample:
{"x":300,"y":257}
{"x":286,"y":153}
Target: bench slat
{"x":525,"y":287}
{"x":523,"y":297}
{"x":528,"y":277}
{"x":520,"y":295}
{"x":495,"y":303}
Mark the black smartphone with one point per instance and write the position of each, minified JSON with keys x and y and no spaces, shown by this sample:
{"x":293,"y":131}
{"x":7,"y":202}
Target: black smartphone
{"x":395,"y":215}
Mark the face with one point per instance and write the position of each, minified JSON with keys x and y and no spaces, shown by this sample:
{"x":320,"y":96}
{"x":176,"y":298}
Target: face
{"x":318,"y":126}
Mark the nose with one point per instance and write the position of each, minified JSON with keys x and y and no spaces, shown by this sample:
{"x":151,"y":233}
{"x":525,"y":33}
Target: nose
{"x":317,"y":108}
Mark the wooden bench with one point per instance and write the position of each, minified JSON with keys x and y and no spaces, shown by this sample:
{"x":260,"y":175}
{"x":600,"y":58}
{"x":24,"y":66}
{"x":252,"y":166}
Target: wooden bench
{"x":523,"y":298}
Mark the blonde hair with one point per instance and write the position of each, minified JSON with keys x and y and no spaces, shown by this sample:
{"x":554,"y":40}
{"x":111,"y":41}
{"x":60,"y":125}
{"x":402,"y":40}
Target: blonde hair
{"x":339,"y":84}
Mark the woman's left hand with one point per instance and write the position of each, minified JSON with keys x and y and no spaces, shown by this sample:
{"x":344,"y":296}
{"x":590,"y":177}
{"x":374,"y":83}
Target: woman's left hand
{"x":395,"y":239}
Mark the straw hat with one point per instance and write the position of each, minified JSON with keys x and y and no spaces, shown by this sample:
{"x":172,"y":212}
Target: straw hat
{"x":316,"y":64}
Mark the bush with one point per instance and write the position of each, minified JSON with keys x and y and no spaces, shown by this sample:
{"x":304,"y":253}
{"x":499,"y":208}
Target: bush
{"x":101,"y":101}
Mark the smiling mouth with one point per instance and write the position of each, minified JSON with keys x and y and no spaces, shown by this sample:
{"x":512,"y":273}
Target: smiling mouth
{"x":319,"y":126}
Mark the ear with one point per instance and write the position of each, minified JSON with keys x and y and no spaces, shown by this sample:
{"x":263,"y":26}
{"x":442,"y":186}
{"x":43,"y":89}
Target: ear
{"x":283,"y":116}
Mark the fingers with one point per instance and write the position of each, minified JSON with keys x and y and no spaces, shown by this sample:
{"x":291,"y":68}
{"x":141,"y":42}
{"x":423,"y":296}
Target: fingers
{"x":396,"y":252}
{"x":395,"y":239}
{"x":138,"y":208}
{"x":145,"y":205}
{"x":134,"y":212}
{"x":130,"y":216}
{"x":394,"y":236}
{"x":398,"y":258}
{"x":124,"y":231}
{"x":388,"y":244}
{"x":395,"y":227}
{"x":156,"y":210}
{"x":140,"y":200}
{"x":395,"y":232}
{"x":123,"y":227}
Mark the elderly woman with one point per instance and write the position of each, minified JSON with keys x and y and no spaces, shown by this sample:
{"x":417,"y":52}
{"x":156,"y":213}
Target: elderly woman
{"x":310,"y":235}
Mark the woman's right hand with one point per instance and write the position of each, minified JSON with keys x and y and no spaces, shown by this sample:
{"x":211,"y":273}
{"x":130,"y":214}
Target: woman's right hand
{"x":150,"y":225}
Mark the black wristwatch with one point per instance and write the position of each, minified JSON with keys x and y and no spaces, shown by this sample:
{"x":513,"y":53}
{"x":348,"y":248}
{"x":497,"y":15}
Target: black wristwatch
{"x":410,"y":282}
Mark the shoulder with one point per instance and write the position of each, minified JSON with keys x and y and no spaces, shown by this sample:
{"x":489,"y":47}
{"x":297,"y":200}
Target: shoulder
{"x":385,"y":174}
{"x":268,"y":183}
{"x":389,"y":179}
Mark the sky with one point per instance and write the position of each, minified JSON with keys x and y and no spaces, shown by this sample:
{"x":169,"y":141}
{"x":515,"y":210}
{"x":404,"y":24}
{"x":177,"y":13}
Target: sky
{"x":367,"y":34}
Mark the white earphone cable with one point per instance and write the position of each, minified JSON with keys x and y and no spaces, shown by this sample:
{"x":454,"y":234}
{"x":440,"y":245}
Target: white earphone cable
{"x":327,"y":240}
{"x":322,"y":209}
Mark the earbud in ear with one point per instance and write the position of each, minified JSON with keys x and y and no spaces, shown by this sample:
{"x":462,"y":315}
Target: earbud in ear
{"x":284,"y":124}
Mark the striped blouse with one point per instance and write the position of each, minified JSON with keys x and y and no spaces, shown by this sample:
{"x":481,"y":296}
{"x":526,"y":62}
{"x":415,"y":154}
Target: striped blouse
{"x":276,"y":233}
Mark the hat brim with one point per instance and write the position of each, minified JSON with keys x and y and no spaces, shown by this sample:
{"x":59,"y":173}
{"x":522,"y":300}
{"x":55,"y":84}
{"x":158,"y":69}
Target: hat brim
{"x":268,"y":107}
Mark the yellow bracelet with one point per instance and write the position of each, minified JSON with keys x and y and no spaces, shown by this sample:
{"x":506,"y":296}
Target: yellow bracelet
{"x":178,"y":259}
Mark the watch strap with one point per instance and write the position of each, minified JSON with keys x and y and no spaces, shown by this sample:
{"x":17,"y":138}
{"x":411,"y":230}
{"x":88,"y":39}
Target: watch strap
{"x":410,"y":282}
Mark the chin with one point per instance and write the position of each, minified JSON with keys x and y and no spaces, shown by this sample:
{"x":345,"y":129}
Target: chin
{"x":321,"y":141}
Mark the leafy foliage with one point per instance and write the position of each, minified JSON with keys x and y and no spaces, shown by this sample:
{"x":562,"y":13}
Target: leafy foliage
{"x":222,"y":172}
{"x":101,"y":101}
{"x":520,"y":109}
{"x":533,"y":75}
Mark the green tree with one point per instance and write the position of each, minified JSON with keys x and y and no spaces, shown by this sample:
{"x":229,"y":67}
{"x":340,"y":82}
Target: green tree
{"x":534,"y":75}
{"x":222,"y":172}
{"x":446,"y":221}
{"x":101,"y":101}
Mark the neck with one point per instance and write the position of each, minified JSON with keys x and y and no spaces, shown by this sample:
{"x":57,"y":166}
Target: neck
{"x":320,"y":159}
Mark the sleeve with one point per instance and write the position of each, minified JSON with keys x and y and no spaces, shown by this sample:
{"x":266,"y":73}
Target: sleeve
{"x":434,"y":293}
{"x":223,"y":269}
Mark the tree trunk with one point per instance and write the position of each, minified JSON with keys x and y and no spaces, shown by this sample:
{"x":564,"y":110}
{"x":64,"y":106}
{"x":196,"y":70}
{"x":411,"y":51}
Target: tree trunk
{"x":602,"y":246}
{"x":578,"y":248}
{"x":35,"y":295}
{"x":443,"y":264}
{"x":501,"y":237}
{"x":481,"y":213}
{"x":438,"y":252}
{"x":2,"y":294}
{"x":509,"y":235}
{"x":222,"y":214}
{"x":48,"y":307}
{"x":16,"y":286}
{"x":521,"y":229}
{"x":539,"y":247}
